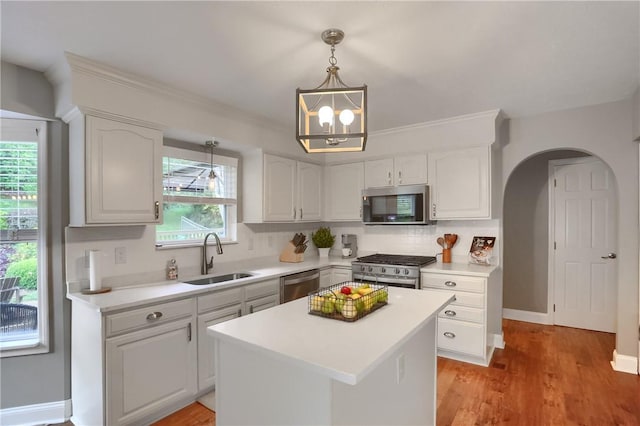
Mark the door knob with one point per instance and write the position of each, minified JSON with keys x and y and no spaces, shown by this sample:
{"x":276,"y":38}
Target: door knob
{"x":609,"y":256}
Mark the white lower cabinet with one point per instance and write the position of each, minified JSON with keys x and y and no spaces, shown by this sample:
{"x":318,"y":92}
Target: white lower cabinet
{"x":222,"y":306}
{"x":153,"y":367}
{"x":326,"y":277}
{"x":138,"y":365}
{"x":466,"y":325}
{"x":340,"y":275}
{"x":150,"y":369}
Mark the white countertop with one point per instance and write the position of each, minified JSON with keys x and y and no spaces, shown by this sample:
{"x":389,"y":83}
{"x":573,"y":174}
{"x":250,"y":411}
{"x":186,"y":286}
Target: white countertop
{"x":344,"y":351}
{"x":260,"y":268}
{"x":460,"y":268}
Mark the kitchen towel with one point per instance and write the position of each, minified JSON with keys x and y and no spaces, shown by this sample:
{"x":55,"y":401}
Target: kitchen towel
{"x":95,"y":270}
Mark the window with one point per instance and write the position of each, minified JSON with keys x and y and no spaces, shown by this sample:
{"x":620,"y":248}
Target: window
{"x":195,"y":204}
{"x":23,"y":272}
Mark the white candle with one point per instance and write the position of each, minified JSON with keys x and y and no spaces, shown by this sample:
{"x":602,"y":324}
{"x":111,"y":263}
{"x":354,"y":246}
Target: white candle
{"x":95,"y":270}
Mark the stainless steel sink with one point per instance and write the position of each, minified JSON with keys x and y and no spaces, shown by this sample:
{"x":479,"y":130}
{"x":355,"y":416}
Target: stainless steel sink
{"x":220,"y":278}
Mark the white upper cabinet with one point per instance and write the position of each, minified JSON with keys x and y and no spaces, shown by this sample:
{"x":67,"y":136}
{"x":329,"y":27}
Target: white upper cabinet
{"x":115,"y":172}
{"x":403,"y":170}
{"x":345,"y":183}
{"x":309,"y":191}
{"x":460,"y":183}
{"x":279,"y":188}
{"x":292,"y":190}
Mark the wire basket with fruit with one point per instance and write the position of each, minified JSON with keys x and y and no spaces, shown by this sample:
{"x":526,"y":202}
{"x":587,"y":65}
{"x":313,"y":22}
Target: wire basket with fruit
{"x":348,"y":301}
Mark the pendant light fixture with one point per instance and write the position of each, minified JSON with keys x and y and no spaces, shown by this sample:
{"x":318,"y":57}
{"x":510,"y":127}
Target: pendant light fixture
{"x":332,"y":117}
{"x":212,"y":175}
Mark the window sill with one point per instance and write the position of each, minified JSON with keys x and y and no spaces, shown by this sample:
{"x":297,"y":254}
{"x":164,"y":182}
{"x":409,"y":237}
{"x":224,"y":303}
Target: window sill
{"x":188,"y":244}
{"x":12,"y":348}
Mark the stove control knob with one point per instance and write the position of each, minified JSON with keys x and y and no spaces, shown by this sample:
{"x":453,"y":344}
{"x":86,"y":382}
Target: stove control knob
{"x":397,"y":271}
{"x":406,"y":272}
{"x":383,"y":270}
{"x":370,"y":268}
{"x":362,"y":269}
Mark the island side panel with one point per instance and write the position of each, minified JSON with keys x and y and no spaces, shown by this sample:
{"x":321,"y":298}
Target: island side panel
{"x":253,"y":388}
{"x":379,"y":399}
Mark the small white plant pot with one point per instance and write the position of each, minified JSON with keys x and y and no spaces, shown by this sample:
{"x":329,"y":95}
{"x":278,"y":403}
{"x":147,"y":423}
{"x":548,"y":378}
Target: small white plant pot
{"x":324,"y":252}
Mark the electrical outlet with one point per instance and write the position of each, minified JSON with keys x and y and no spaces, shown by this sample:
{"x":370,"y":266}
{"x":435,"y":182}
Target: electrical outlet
{"x":121,"y":255}
{"x":400,"y":368}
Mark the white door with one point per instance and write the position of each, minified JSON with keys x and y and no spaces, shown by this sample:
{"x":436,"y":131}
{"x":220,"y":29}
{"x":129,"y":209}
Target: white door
{"x":584,"y":231}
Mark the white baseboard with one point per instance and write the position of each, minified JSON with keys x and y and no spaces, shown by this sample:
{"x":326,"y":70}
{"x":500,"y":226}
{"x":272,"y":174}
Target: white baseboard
{"x":498,"y":341}
{"x":624,"y":363}
{"x":37,"y":414}
{"x":526,"y":316}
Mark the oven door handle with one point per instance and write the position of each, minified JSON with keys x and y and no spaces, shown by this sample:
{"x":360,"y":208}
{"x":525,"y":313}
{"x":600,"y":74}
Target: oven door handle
{"x":386,"y":279}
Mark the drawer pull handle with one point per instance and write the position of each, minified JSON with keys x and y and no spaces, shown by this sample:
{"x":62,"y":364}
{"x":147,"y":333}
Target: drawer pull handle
{"x":154,"y":316}
{"x":449,"y":334}
{"x":450,"y":283}
{"x":450,"y":313}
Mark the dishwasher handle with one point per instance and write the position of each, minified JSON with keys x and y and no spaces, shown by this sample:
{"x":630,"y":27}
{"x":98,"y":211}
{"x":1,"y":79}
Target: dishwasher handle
{"x":298,"y":278}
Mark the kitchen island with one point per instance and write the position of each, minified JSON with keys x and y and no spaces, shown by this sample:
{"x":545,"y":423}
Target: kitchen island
{"x":283,"y":366}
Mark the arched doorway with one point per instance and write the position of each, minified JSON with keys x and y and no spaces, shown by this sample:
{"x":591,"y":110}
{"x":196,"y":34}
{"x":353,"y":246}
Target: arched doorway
{"x":527,"y":295}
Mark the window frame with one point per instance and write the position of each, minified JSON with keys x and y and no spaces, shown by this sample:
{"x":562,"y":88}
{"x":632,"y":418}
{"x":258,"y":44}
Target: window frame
{"x":232,"y":213}
{"x":20,"y":347}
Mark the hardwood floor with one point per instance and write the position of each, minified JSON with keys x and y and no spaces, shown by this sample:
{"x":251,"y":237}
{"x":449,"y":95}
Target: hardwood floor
{"x":546,"y":375}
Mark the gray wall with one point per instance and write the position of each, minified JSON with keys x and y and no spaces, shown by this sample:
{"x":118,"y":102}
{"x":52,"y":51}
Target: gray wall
{"x":25,"y":91}
{"x":526,"y":223}
{"x":36,"y":379}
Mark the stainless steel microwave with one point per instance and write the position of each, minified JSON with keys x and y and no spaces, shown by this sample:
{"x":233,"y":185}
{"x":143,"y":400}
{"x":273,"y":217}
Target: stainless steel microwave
{"x":398,"y":205}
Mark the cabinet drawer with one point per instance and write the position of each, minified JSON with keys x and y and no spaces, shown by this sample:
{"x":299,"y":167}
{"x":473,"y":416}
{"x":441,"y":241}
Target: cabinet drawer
{"x":460,"y":336}
{"x":147,"y":316}
{"x":454,"y":282}
{"x":266,"y":288}
{"x":219,"y":299}
{"x":262,"y":303}
{"x":462,"y":313}
{"x":464,"y":298}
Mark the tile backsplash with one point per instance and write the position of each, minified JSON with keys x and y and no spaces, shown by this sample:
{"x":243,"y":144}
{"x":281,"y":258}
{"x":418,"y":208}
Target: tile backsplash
{"x":129,"y":255}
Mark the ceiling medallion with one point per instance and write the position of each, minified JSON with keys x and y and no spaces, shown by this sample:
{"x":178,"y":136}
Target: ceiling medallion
{"x":332,"y":117}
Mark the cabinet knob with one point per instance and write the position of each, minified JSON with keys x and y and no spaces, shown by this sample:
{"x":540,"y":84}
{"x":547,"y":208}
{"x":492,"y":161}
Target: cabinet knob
{"x":157,"y":209}
{"x":399,"y":176}
{"x":450,"y":283}
{"x":240,"y":312}
{"x":250,"y":309}
{"x":450,"y":313}
{"x":300,"y":213}
{"x":449,"y":334}
{"x":294,"y":212}
{"x":154,"y":316}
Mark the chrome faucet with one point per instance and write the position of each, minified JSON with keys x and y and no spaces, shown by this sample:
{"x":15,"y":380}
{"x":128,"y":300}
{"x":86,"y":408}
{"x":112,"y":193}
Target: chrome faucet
{"x":206,"y":266}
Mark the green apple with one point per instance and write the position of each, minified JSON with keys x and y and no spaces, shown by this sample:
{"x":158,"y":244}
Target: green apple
{"x":328,"y":307}
{"x":383,"y":296}
{"x":339,"y":303}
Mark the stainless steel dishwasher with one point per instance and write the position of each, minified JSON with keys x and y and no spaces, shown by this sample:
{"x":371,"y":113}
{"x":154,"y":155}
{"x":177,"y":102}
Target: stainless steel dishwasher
{"x":295,"y":286}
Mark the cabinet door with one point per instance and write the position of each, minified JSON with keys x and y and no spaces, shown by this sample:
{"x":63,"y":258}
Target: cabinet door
{"x":460,"y":184}
{"x":325,"y":278}
{"x":344,"y":191}
{"x":309,"y":183}
{"x":378,"y":173}
{"x":123,"y":173}
{"x":206,"y":352}
{"x":339,"y":275}
{"x":279,"y":189}
{"x":410,"y":169}
{"x":148,"y":370}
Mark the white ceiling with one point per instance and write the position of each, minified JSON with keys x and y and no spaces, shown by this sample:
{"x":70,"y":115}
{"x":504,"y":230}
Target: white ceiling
{"x":422,"y":61}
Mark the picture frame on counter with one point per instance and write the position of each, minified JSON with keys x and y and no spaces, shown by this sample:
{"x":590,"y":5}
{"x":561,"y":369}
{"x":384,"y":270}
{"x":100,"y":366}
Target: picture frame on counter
{"x":481,"y":251}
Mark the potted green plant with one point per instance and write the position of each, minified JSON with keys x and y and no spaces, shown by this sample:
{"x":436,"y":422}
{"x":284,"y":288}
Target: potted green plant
{"x":323,"y":239}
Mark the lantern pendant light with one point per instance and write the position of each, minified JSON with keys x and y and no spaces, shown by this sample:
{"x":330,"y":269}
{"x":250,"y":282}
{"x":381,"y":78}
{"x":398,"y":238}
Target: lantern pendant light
{"x":332,"y":117}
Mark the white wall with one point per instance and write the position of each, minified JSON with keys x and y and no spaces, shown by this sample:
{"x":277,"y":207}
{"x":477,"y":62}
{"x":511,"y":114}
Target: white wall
{"x":605,"y":131}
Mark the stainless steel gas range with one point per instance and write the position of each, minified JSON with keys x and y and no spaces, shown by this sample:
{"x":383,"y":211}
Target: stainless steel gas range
{"x":391,"y":269}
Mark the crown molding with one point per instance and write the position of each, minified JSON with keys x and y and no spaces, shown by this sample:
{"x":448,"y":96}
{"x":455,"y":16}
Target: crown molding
{"x":494,"y":114}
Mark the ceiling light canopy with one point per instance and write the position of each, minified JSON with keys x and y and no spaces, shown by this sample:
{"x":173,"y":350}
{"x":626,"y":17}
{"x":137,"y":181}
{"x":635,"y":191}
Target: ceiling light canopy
{"x":332,"y":117}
